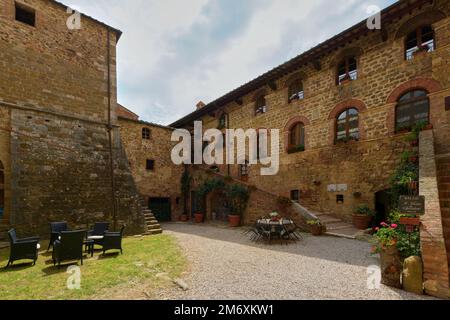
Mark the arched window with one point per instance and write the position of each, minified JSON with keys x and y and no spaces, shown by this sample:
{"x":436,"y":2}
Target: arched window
{"x":296,"y":91}
{"x":146,"y":133}
{"x":260,"y":105}
{"x":296,"y":138}
{"x":347,"y":126}
{"x":412,"y":108}
{"x":421,"y":39}
{"x":347,"y":70}
{"x":2,"y":190}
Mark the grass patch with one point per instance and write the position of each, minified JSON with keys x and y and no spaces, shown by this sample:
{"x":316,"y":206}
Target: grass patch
{"x":143,"y":259}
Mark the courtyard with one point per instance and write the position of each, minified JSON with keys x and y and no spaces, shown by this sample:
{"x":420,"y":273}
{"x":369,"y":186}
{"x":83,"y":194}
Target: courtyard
{"x":225,"y":264}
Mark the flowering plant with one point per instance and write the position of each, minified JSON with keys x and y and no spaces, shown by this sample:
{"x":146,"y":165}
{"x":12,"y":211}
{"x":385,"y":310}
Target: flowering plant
{"x":274,"y":216}
{"x":386,"y":236}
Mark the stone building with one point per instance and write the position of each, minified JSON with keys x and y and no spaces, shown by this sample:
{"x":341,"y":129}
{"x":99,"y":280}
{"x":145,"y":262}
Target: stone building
{"x":148,"y":150}
{"x":342,"y":108}
{"x":61,"y":156}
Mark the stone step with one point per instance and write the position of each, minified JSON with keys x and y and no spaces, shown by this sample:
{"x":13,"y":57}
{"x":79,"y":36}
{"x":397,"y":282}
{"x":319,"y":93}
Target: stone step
{"x":153,"y":232}
{"x":154,"y":227}
{"x":152,"y":222}
{"x":338,"y":226}
{"x":329,"y":220}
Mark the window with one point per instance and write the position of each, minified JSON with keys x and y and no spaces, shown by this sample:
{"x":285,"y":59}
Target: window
{"x":412,"y":108}
{"x":25,"y":14}
{"x":340,"y":199}
{"x":150,"y":165}
{"x":222,"y":121}
{"x":244,"y":170}
{"x":260,"y":105}
{"x":297,"y":135}
{"x":421,"y":39}
{"x":347,"y":70}
{"x":295,"y":195}
{"x":146,"y":133}
{"x":296,"y":91}
{"x":347,"y":126}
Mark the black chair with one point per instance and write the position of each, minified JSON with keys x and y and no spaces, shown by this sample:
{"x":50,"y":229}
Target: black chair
{"x":55,"y":229}
{"x":69,"y":247}
{"x":113,"y":241}
{"x":22,"y":248}
{"x":99,"y":231}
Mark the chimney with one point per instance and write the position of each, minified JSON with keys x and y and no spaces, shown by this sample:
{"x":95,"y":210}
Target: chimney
{"x":200,"y":105}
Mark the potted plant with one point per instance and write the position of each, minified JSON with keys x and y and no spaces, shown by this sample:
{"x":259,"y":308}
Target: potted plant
{"x":362,"y":217}
{"x":275,"y":217}
{"x":237,"y":198}
{"x":316,"y":227}
{"x":386,"y":239}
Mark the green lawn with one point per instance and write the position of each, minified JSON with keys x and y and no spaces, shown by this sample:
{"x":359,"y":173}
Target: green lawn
{"x":143,"y":262}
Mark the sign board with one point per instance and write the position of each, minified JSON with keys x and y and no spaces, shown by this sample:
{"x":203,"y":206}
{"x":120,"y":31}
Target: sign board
{"x":414,"y":205}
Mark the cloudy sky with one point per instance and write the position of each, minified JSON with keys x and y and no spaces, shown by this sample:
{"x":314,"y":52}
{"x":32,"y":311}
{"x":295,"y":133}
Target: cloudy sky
{"x":174,"y":53}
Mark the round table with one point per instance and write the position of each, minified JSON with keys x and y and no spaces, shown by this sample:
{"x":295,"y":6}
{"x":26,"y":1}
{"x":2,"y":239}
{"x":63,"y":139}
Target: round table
{"x":276,"y":228}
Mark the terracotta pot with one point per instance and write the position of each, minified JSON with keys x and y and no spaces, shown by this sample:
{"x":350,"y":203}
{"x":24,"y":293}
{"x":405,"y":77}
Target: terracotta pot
{"x":198,"y":217}
{"x":361,"y":222}
{"x":316,"y":230}
{"x":234,"y":221}
{"x":184,"y":218}
{"x":391,"y":267}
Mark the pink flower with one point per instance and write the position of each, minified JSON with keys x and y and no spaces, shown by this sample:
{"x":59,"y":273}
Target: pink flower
{"x":394,"y":226}
{"x":384,"y":224}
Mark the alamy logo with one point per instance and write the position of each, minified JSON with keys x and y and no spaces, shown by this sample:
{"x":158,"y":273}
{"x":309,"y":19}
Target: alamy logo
{"x":373,"y":278}
{"x":74,"y":21}
{"x":374,"y":21}
{"x":74,"y":280}
{"x":213,"y":147}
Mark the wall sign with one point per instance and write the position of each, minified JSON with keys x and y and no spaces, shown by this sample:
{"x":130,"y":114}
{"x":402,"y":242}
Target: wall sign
{"x":413,"y":205}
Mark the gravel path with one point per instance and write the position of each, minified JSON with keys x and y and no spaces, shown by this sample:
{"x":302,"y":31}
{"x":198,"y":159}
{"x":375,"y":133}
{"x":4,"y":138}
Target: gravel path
{"x":224,"y":264}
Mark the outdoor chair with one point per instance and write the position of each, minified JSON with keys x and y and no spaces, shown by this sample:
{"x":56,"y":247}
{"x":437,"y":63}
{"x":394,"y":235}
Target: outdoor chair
{"x":98,"y":232}
{"x":55,"y":230}
{"x":69,"y":246}
{"x":113,"y":241}
{"x":292,"y":231}
{"x":22,"y":249}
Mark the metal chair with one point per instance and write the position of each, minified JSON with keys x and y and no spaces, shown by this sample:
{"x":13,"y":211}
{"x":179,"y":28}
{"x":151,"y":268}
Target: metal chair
{"x":22,"y":249}
{"x":99,"y":231}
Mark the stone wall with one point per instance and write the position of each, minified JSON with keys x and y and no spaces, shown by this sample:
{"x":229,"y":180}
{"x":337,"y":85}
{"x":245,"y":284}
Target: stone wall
{"x":364,"y":166}
{"x":164,"y":180}
{"x":55,"y":115}
{"x":436,"y":273}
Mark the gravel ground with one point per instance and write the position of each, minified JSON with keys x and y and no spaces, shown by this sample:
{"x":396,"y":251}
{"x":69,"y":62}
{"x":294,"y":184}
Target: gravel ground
{"x":224,"y":264}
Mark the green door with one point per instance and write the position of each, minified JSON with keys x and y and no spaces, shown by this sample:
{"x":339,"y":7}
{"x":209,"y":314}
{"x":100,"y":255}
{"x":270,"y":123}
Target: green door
{"x":161,"y":208}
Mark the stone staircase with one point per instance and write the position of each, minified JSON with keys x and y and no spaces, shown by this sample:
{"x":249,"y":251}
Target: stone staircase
{"x":337,"y":227}
{"x":443,"y":173}
{"x":152,"y":225}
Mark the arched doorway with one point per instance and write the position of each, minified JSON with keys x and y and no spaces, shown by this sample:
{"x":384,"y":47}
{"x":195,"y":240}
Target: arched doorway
{"x":2,"y":190}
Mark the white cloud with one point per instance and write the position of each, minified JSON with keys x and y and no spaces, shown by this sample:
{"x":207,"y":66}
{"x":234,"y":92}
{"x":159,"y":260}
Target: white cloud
{"x":175,"y":52}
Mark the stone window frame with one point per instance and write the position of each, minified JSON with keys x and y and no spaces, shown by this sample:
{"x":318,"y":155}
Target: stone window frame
{"x":409,"y":102}
{"x":146,"y":133}
{"x":418,"y":35}
{"x":343,"y":57}
{"x":430,"y":85}
{"x":287,"y":131}
{"x":296,"y":90}
{"x":428,"y":17}
{"x":338,"y":109}
{"x":260,"y":105}
{"x":25,"y":7}
{"x":150,"y":165}
{"x":295,"y":195}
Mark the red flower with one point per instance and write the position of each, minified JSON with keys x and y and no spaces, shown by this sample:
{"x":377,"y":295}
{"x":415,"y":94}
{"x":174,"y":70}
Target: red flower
{"x":395,"y":226}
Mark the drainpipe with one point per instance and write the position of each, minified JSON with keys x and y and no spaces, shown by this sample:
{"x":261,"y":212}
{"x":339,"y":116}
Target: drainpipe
{"x":109,"y":129}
